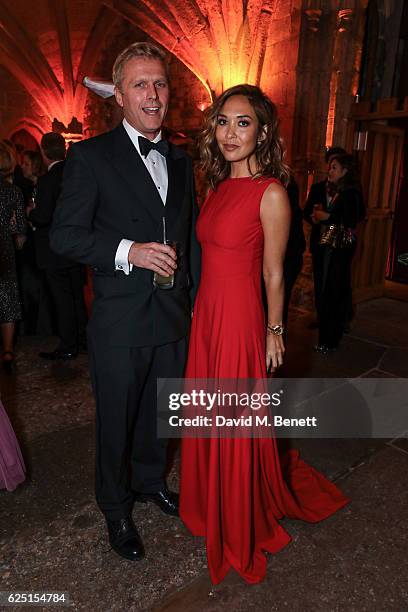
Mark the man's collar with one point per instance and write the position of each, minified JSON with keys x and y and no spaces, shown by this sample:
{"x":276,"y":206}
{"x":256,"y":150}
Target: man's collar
{"x":134,"y":134}
{"x":53,"y":163}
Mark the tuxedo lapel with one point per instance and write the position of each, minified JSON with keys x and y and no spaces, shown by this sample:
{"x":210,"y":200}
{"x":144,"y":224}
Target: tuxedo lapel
{"x":127,"y":161}
{"x":176,"y":168}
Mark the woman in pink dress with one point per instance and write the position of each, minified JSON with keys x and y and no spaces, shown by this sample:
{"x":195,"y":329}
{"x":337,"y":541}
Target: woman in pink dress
{"x":233,"y":491}
{"x":12,"y":468}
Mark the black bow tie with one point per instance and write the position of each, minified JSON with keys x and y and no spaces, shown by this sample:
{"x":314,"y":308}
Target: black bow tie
{"x":146,"y":146}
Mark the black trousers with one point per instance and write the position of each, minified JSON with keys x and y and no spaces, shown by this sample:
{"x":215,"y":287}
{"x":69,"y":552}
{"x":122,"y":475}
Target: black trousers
{"x":129,"y":456}
{"x":317,"y":264}
{"x":66,"y":286}
{"x":291,"y":269}
{"x":335,"y":277}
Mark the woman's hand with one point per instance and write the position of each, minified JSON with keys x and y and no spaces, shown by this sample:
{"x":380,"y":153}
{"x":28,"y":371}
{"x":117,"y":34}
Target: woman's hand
{"x":275,"y":350}
{"x":320,"y":215}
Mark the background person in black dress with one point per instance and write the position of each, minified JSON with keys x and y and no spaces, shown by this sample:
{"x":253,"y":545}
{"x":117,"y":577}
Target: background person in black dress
{"x":117,"y":189}
{"x":319,"y":196}
{"x":12,"y":235}
{"x":345,"y":210}
{"x":64,"y":277}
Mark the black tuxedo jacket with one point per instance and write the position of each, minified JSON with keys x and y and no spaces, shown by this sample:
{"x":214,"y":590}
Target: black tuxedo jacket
{"x":48,"y":191}
{"x":108,"y":195}
{"x":317,"y":195}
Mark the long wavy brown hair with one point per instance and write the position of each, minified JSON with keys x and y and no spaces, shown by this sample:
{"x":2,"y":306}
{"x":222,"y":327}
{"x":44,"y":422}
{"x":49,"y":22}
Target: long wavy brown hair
{"x":269,"y":152}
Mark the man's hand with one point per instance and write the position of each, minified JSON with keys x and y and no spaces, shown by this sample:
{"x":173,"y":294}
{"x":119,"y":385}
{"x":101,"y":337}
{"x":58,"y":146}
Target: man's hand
{"x":19,"y":241}
{"x":160,"y":258}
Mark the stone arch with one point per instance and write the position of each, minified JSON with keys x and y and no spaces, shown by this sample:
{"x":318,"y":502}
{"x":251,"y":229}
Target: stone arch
{"x":28,"y":64}
{"x":24,"y":138}
{"x":24,"y":59}
{"x":26,"y":124}
{"x":223,"y":44}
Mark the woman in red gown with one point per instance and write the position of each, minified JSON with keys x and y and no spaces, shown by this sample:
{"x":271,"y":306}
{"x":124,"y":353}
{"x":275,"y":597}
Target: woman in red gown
{"x":234,"y":491}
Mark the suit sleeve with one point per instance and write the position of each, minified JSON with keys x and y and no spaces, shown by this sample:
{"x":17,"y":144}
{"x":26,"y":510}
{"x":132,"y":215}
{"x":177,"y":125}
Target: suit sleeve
{"x":47,"y":194}
{"x":310,"y":202}
{"x":73,"y":233}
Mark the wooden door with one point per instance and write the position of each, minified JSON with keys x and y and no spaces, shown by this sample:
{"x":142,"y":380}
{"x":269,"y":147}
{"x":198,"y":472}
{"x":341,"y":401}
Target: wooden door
{"x":380,"y":170}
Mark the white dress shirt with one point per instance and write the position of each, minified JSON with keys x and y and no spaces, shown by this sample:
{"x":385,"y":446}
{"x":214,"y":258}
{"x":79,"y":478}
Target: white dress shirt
{"x":156,"y":165}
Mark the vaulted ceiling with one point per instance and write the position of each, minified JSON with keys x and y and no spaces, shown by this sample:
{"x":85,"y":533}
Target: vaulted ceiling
{"x":304,"y":53}
{"x":50,"y":45}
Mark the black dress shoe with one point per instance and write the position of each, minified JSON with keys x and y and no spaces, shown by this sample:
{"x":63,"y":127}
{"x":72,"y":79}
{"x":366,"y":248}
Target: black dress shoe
{"x":83,"y":348}
{"x":167,"y":501}
{"x":8,"y":364}
{"x":323,"y":349}
{"x":57,"y":354}
{"x":125,"y":540}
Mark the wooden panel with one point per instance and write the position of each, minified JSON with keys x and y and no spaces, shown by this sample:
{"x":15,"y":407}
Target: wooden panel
{"x":379,"y":175}
{"x":386,"y":109}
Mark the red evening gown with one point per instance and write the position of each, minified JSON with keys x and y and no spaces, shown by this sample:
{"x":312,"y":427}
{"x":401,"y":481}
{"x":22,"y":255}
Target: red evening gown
{"x":234,"y":491}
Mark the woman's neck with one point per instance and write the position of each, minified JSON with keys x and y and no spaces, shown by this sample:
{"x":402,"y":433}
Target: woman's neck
{"x":242,"y":168}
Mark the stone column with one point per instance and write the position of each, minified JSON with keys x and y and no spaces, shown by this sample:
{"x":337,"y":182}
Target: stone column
{"x":306,"y":85}
{"x":342,"y":87}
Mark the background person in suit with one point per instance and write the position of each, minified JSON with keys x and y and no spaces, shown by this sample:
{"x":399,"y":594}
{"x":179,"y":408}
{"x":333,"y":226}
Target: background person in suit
{"x":30,"y":277}
{"x":293,"y":262}
{"x":64,"y":278}
{"x":320,"y":195}
{"x":117,"y":188}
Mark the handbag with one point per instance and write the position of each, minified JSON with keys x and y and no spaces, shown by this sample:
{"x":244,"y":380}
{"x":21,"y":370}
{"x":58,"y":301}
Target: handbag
{"x":337,"y":237}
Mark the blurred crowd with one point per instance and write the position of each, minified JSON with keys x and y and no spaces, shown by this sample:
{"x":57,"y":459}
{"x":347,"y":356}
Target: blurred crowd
{"x":40,"y":292}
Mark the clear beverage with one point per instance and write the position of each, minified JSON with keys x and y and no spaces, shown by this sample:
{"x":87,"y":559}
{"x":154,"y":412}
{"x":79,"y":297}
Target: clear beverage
{"x":165,"y":282}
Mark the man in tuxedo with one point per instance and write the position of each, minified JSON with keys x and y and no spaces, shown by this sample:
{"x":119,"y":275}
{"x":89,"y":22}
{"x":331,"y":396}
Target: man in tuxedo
{"x":64,"y":278}
{"x":117,"y":189}
{"x":319,"y":196}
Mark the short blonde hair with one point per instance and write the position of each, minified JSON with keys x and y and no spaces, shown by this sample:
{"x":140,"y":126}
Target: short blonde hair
{"x":7,"y":160}
{"x":138,"y":49}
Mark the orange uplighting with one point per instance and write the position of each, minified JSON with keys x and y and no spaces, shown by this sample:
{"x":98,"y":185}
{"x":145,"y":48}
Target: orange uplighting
{"x":236,"y":76}
{"x":331,"y":113}
{"x":71,"y":138}
{"x":202,"y":106}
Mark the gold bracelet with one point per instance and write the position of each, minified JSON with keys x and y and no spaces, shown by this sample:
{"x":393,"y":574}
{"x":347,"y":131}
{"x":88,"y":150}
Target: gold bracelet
{"x":275,"y":330}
